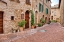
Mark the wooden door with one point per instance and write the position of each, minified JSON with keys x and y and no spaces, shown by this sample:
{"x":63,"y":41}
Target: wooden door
{"x":51,"y":17}
{"x":27,"y":20}
{"x":43,"y":16}
{"x":1,"y":22}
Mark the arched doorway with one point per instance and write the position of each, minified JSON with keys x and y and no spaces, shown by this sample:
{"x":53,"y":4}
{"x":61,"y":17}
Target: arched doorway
{"x":27,"y":19}
{"x":43,"y":16}
{"x":51,"y":17}
{"x":46,"y":19}
{"x":1,"y":22}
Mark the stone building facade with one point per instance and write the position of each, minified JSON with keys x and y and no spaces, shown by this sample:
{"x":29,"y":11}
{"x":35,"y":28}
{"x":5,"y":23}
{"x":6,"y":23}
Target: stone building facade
{"x":13,"y":11}
{"x":55,"y":13}
{"x":61,"y":5}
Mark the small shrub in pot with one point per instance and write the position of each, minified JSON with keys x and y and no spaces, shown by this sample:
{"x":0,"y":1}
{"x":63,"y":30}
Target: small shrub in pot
{"x":21,"y":24}
{"x":39,"y":24}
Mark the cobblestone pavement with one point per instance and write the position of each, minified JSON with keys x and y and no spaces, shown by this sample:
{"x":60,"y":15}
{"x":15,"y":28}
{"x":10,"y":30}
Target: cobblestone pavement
{"x":53,"y":32}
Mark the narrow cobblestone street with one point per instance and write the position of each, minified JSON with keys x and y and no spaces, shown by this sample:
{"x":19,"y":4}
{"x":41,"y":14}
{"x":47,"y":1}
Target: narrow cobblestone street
{"x":53,"y":32}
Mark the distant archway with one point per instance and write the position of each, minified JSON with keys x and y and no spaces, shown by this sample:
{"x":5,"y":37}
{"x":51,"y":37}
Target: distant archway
{"x":51,"y":17}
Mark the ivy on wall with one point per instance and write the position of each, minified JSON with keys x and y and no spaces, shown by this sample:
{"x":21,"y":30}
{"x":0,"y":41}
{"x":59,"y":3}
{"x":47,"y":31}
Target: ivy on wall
{"x":32,"y":17}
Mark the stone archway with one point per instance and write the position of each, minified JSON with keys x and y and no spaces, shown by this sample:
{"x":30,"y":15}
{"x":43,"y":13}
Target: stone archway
{"x":27,"y":19}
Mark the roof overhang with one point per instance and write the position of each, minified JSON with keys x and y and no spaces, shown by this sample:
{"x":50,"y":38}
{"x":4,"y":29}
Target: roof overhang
{"x":59,"y":3}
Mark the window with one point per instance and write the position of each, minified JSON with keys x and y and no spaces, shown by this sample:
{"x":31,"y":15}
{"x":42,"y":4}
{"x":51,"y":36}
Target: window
{"x":12,"y":17}
{"x":39,"y":7}
{"x":46,"y":10}
{"x":22,"y":16}
{"x":54,"y":13}
{"x":42,"y":8}
{"x":28,"y":2}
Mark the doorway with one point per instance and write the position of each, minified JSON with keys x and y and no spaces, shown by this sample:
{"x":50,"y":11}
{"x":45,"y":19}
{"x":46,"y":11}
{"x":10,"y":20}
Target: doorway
{"x":1,"y":22}
{"x":46,"y":19}
{"x":27,"y":19}
{"x":51,"y":17}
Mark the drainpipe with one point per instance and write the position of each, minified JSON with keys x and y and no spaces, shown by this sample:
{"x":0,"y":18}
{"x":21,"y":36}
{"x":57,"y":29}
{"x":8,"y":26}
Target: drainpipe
{"x":63,"y":12}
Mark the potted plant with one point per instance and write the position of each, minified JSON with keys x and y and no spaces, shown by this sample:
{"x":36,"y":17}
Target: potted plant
{"x":54,"y":21}
{"x":32,"y":18}
{"x":21,"y":25}
{"x":39,"y":24}
{"x":49,"y":22}
{"x":42,"y":21}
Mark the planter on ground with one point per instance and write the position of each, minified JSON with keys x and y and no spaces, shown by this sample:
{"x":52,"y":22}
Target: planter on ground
{"x":32,"y":26}
{"x":42,"y":21}
{"x":21,"y":25}
{"x":39,"y":24}
{"x":21,"y":28}
{"x":32,"y":19}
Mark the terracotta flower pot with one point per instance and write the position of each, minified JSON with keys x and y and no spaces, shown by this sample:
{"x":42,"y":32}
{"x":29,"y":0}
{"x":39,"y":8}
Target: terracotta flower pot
{"x":32,"y":27}
{"x":21,"y":29}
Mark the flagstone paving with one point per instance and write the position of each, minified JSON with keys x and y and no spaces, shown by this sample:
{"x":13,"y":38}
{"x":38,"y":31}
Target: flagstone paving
{"x":53,"y":32}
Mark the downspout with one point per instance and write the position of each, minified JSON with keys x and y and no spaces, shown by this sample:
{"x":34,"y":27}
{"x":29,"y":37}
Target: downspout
{"x":63,"y":12}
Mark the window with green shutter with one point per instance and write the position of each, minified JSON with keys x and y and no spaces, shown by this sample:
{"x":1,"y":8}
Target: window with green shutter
{"x":46,"y":10}
{"x":42,"y":8}
{"x":39,"y":7}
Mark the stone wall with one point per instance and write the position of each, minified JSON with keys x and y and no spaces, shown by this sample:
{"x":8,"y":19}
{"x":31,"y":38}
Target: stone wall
{"x":55,"y":12}
{"x":16,"y":9}
{"x":62,"y":12}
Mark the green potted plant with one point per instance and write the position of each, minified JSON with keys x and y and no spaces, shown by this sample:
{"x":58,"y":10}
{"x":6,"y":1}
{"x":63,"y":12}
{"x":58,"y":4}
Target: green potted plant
{"x":39,"y":24}
{"x":21,"y":25}
{"x":32,"y":18}
{"x":42,"y":21}
{"x":54,"y":21}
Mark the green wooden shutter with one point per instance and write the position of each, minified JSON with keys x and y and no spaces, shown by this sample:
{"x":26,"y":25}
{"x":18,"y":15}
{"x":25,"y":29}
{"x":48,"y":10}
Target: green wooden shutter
{"x":42,"y":8}
{"x":46,"y":10}
{"x":39,"y":7}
